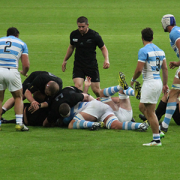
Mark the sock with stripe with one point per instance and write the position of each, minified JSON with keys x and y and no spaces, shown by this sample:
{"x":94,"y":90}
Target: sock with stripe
{"x":170,"y":109}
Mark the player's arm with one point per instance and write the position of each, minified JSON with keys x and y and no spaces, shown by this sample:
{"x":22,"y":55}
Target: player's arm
{"x":67,"y":56}
{"x":25,"y":64}
{"x":106,"y":57}
{"x":137,"y":72}
{"x":165,"y":76}
{"x":174,"y":64}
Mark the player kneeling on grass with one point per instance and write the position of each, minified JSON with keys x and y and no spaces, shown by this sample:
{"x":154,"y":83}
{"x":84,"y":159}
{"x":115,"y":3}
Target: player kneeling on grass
{"x":96,"y":114}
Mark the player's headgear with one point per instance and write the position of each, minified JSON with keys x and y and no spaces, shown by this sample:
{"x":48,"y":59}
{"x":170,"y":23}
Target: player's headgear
{"x":168,"y":20}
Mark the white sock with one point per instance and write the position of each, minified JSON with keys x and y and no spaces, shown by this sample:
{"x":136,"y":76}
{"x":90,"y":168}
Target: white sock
{"x":19,"y":119}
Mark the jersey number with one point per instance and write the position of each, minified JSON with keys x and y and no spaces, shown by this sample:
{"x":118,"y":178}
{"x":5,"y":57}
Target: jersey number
{"x":9,"y":43}
{"x":157,"y":64}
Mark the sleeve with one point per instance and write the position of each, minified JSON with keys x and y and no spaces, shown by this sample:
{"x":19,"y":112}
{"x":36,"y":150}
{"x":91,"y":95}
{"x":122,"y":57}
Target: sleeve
{"x":142,"y":55}
{"x":99,"y":40}
{"x":25,"y":49}
{"x":33,"y":87}
{"x":71,"y":39}
{"x":77,"y":97}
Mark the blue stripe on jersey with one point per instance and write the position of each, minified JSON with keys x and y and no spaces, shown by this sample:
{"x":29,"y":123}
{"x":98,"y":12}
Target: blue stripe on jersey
{"x":7,"y":60}
{"x":12,"y":52}
{"x":8,"y":65}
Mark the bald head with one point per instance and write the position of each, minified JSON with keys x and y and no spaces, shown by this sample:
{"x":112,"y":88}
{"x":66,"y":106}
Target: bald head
{"x":51,"y":88}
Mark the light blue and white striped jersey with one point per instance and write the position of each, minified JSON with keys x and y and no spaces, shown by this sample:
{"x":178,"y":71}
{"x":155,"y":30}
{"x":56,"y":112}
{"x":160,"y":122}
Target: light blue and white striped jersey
{"x":74,"y":111}
{"x":174,"y":35}
{"x":153,"y":58}
{"x":11,"y":49}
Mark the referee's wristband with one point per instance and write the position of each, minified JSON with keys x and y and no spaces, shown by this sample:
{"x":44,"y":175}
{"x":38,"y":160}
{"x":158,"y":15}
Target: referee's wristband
{"x":133,"y":80}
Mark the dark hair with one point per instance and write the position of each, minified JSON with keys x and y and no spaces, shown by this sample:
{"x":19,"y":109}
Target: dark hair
{"x":12,"y":31}
{"x":64,"y":109}
{"x":147,"y":34}
{"x":82,"y":19}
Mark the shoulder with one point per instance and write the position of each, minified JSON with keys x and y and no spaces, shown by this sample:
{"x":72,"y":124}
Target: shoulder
{"x":175,"y":33}
{"x":75,"y":32}
{"x":93,"y":32}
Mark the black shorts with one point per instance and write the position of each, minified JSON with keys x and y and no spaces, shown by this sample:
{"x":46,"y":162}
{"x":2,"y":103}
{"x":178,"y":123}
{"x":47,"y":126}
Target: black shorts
{"x":37,"y":118}
{"x":93,"y":73}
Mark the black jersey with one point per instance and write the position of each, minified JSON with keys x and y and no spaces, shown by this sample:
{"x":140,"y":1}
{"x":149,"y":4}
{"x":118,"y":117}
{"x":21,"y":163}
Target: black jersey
{"x":30,"y":79}
{"x":37,"y":118}
{"x":70,"y":95}
{"x":85,"y":53}
{"x":39,"y":83}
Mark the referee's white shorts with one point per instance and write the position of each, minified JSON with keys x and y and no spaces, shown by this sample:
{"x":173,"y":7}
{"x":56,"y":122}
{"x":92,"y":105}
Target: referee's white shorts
{"x":11,"y":79}
{"x":150,"y":91}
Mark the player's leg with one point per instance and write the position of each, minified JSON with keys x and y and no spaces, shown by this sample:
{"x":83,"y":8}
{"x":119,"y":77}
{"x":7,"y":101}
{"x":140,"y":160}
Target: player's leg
{"x":149,"y":111}
{"x":1,"y":101}
{"x":171,"y":104}
{"x":8,"y":105}
{"x":83,"y":121}
{"x":112,"y":122}
{"x":170,"y":108}
{"x":160,"y":110}
{"x":18,"y":108}
{"x":128,"y":90}
{"x":15,"y":87}
{"x":95,"y":86}
{"x":78,"y":82}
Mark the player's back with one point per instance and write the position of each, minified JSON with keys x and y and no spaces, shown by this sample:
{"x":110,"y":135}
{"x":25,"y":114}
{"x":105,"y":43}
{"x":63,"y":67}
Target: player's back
{"x":11,"y":49}
{"x":153,"y":58}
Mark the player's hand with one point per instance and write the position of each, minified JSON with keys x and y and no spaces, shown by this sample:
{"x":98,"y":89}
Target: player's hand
{"x":165,"y":89}
{"x":106,"y":64}
{"x":132,"y":83}
{"x":174,"y":64}
{"x":64,"y":66}
{"x":87,"y":81}
{"x":33,"y":107}
{"x":23,"y":73}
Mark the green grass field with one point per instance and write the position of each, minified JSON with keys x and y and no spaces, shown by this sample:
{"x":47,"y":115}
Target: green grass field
{"x":55,"y":153}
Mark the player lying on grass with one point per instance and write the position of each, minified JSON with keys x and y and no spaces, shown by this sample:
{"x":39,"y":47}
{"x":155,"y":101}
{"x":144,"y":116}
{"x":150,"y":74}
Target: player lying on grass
{"x":95,"y":113}
{"x":121,"y":105}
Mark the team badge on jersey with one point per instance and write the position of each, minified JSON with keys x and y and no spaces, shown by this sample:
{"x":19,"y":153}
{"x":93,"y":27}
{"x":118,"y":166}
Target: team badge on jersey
{"x":75,"y":40}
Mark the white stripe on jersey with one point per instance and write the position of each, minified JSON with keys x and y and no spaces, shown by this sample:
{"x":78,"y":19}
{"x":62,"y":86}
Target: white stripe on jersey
{"x":18,"y":41}
{"x":14,"y":48}
{"x":156,"y":53}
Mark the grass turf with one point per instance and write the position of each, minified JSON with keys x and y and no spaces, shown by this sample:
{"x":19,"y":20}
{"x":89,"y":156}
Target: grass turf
{"x":54,"y":153}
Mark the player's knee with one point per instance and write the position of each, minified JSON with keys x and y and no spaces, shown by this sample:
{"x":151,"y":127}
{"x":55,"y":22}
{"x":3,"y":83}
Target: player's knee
{"x":70,"y":126}
{"x":111,"y":122}
{"x":96,"y":92}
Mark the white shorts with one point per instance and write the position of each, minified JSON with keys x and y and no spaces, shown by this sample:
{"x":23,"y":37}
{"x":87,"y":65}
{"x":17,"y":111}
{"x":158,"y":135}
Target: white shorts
{"x":123,"y":115}
{"x":150,"y":91}
{"x":176,"y":75}
{"x":98,"y":109}
{"x":11,"y":79}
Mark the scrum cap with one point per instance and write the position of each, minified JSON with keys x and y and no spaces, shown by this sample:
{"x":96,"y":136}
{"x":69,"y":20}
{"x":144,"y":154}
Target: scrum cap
{"x":168,"y":20}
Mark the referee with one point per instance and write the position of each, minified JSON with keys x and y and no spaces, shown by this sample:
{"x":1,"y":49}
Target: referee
{"x":85,"y":41}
